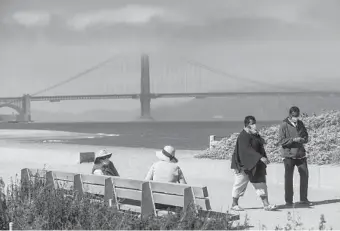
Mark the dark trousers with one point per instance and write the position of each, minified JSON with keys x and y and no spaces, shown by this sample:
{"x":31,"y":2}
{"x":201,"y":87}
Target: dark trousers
{"x":302,"y":167}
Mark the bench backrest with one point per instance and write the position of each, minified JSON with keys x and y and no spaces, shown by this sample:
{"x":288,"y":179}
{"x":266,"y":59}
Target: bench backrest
{"x":127,"y":192}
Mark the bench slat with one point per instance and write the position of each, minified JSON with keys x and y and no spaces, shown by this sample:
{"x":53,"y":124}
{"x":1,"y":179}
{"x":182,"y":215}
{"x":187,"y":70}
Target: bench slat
{"x":177,"y":189}
{"x":170,"y":188}
{"x":173,"y":200}
{"x":178,"y":200}
{"x":37,"y":172}
{"x":65,"y":176}
{"x":93,"y":179}
{"x":68,"y":185}
{"x":41,"y":173}
{"x":94,"y":189}
{"x":127,"y":183}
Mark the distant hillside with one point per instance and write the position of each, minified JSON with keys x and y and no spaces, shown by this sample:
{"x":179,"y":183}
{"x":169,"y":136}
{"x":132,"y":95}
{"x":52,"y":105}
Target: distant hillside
{"x":231,"y":108}
{"x":93,"y":115}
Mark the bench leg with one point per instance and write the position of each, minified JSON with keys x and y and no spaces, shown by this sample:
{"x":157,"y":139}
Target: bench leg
{"x":78,"y":185}
{"x":148,"y":205}
{"x":189,"y":202}
{"x":189,"y":199}
{"x":110,"y":196}
{"x":25,"y":182}
{"x":50,"y":180}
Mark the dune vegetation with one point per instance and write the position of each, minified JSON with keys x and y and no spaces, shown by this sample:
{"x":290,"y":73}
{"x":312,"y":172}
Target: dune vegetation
{"x":35,"y":207}
{"x":323,"y":146}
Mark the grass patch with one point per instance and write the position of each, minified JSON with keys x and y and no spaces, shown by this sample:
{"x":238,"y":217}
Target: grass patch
{"x":34,"y":206}
{"x":323,"y":146}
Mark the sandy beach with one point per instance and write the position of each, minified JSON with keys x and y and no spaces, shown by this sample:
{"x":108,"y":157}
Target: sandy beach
{"x":135,"y":162}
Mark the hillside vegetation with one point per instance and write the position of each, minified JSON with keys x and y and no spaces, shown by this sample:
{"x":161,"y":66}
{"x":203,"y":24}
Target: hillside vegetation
{"x":323,"y":146}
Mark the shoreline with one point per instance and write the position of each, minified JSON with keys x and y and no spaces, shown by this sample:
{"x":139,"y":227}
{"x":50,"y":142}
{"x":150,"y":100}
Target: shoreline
{"x":17,"y":154}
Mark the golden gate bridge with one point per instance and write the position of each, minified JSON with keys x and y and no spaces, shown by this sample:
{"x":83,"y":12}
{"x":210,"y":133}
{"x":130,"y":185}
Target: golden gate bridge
{"x":22,"y":104}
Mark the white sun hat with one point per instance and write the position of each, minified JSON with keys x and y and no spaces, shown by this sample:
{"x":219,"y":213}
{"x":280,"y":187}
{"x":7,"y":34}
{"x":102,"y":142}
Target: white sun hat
{"x":167,"y":154}
{"x":102,"y":154}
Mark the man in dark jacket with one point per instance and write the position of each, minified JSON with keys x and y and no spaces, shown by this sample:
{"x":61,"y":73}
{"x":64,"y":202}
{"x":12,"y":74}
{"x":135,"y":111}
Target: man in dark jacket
{"x":249,"y":163}
{"x":292,"y":137}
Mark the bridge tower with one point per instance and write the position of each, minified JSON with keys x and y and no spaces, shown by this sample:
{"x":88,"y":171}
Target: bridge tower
{"x":145,"y":98}
{"x":26,"y":108}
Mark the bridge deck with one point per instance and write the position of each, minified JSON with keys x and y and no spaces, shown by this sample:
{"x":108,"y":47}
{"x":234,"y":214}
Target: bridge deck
{"x":169,"y":95}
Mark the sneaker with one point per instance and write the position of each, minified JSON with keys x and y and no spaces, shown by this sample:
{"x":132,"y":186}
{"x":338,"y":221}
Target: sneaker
{"x":306,"y":202}
{"x":270,"y":207}
{"x":237,"y":208}
{"x":289,"y":204}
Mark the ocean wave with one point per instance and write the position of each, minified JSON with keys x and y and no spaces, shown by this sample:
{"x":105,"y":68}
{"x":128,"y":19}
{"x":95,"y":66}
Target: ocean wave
{"x":104,"y":134}
{"x":53,"y":141}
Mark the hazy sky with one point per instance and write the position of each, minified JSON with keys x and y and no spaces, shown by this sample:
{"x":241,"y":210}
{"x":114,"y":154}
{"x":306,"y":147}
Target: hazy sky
{"x":45,"y":42}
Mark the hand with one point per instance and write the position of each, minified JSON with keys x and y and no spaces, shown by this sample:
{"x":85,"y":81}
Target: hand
{"x":265,"y":160}
{"x":298,"y":139}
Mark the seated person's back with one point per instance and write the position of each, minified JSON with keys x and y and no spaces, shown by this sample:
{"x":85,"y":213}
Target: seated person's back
{"x":103,"y":165}
{"x":166,"y":169}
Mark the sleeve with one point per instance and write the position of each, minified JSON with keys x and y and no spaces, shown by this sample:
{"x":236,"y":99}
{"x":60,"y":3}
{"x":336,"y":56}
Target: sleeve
{"x":181,"y":178}
{"x":263,"y":151}
{"x":115,"y":170}
{"x":98,"y":172}
{"x":149,"y":175}
{"x":248,"y":156}
{"x":304,"y":133}
{"x":283,"y":139}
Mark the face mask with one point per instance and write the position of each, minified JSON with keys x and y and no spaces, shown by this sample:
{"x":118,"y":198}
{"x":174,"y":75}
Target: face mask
{"x":295,"y":119}
{"x":252,"y":127}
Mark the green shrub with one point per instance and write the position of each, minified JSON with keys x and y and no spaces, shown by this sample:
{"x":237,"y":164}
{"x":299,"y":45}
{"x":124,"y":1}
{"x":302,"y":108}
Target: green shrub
{"x":45,"y":209}
{"x":323,"y":146}
{"x":34,"y":206}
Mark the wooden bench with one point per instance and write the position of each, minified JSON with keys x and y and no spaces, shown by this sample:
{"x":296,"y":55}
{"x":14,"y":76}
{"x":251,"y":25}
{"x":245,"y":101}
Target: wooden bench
{"x":145,"y":197}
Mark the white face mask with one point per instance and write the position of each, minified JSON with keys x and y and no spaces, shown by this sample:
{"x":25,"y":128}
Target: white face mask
{"x":295,"y":119}
{"x":253,"y":127}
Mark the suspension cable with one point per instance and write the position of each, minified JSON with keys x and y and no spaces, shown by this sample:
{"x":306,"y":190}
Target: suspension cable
{"x":228,"y":75}
{"x":77,"y":76}
{"x":72,"y":78}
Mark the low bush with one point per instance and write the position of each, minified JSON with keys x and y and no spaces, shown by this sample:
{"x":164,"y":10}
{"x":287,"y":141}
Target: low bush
{"x":36,"y":207}
{"x":39,"y":208}
{"x":323,"y":146}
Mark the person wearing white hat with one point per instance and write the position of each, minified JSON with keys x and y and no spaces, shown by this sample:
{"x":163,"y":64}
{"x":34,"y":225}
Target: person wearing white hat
{"x":103,"y":165}
{"x":166,"y":169}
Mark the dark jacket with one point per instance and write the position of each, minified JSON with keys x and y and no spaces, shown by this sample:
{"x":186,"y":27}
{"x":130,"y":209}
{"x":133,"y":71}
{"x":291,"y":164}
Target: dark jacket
{"x":248,"y":151}
{"x":107,"y":168}
{"x":287,"y":133}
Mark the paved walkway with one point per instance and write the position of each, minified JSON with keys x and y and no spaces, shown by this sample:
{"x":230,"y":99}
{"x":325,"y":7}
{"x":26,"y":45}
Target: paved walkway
{"x":326,"y":203}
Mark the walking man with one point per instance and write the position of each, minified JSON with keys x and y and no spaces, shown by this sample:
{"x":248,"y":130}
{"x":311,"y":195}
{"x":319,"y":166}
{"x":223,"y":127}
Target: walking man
{"x":292,"y":137}
{"x":249,"y":163}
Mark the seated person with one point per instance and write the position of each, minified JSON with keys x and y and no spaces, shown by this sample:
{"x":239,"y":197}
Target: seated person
{"x":103,"y":165}
{"x":166,"y":169}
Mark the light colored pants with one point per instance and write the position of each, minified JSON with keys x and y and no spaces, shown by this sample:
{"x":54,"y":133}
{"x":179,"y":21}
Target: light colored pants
{"x":240,"y":186}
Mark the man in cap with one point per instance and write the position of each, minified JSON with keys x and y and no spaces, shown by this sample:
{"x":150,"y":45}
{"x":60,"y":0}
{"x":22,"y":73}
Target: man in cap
{"x":292,"y":137}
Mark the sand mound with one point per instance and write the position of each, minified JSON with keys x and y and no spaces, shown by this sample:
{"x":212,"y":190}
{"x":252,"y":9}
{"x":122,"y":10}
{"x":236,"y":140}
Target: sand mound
{"x":323,"y":146}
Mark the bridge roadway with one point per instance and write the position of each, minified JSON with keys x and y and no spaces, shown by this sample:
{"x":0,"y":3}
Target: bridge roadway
{"x":169,"y":95}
